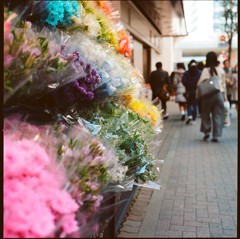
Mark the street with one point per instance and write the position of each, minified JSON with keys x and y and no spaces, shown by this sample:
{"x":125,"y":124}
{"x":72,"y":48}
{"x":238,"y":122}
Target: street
{"x":198,"y":195}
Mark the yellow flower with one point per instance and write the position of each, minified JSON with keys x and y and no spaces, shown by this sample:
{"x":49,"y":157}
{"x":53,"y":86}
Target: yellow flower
{"x":145,"y":110}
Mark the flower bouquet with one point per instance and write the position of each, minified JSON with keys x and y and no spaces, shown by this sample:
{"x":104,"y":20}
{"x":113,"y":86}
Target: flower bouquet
{"x":35,"y":201}
{"x":120,"y":128}
{"x":84,"y":167}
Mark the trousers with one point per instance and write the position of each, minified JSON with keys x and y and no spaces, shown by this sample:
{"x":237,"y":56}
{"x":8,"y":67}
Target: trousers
{"x":212,"y":114}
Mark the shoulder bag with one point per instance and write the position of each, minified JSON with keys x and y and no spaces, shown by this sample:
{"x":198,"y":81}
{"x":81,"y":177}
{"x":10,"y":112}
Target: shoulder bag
{"x":164,"y":94}
{"x":208,"y":87}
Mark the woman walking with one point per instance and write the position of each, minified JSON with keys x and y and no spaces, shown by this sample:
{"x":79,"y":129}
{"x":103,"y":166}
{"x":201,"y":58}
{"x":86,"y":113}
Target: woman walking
{"x":212,"y":106}
{"x":180,"y":89}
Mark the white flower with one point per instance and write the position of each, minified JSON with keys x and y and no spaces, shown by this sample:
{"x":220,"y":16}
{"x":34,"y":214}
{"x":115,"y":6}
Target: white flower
{"x":92,"y":24}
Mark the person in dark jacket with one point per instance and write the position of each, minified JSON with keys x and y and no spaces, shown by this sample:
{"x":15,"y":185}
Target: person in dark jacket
{"x":200,"y":66}
{"x":190,"y":80}
{"x":157,"y":79}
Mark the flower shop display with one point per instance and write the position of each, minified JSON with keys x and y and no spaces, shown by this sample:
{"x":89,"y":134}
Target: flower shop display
{"x":74,"y":126}
{"x":82,"y":169}
{"x":35,"y":204}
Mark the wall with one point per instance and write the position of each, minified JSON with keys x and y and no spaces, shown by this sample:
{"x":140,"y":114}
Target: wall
{"x":161,"y":48}
{"x":138,"y":55}
{"x":167,"y":54}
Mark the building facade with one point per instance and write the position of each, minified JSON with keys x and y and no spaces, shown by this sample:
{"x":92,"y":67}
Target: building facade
{"x":153,"y":26}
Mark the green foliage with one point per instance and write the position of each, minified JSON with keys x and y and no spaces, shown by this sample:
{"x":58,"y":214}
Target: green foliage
{"x":128,"y":133}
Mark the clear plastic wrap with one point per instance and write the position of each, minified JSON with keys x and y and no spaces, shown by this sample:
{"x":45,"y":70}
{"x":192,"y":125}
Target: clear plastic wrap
{"x":33,"y":186}
{"x":32,"y":64}
{"x":128,"y":133}
{"x":91,"y":169}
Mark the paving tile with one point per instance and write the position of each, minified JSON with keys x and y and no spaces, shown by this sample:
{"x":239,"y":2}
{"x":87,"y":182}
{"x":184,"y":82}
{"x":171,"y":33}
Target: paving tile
{"x":177,"y":220}
{"x":127,"y":235}
{"x":175,"y":234}
{"x":171,"y":212}
{"x":162,"y":232}
{"x":135,"y":218}
{"x":183,"y":228}
{"x":165,"y":216}
{"x":189,"y":235}
{"x":230,"y":233}
{"x":216,"y":228}
{"x":163,"y":224}
{"x":132,"y":223}
{"x":189,"y":216}
{"x":196,"y":224}
{"x":129,"y":229}
{"x":208,"y":220}
{"x":203,"y":232}
{"x":202,"y":212}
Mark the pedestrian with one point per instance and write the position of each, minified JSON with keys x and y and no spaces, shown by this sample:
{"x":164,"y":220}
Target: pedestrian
{"x":234,"y":99}
{"x":200,"y":66}
{"x":159,"y":79}
{"x":229,"y":80}
{"x":212,"y":117}
{"x":180,"y":89}
{"x":190,"y":80}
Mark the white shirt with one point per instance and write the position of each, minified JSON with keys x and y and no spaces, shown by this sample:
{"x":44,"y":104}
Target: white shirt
{"x":221,"y":77}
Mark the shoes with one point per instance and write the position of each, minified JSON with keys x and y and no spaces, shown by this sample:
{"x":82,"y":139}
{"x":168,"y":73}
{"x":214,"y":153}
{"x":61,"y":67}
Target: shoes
{"x":165,"y":116}
{"x":188,"y":121}
{"x":214,"y":140}
{"x":206,"y":137}
{"x":183,"y":117}
{"x":193,"y":122}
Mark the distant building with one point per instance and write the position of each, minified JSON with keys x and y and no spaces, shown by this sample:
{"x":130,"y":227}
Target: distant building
{"x":205,"y":24}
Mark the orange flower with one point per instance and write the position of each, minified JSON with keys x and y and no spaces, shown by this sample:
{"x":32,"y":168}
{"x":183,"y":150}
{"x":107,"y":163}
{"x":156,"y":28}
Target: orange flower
{"x":106,"y":8}
{"x":124,"y":44}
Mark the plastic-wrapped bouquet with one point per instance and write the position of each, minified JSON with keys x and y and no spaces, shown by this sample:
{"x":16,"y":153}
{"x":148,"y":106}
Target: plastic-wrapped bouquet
{"x":30,"y":65}
{"x":106,"y":73}
{"x":129,"y":133}
{"x":58,"y":13}
{"x":95,"y":18}
{"x":35,"y":203}
{"x":88,"y":165}
{"x":90,"y":168}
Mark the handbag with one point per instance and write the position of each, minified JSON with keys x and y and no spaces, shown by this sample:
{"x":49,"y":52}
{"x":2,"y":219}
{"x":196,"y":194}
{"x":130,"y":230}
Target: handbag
{"x":208,"y":87}
{"x":164,"y":94}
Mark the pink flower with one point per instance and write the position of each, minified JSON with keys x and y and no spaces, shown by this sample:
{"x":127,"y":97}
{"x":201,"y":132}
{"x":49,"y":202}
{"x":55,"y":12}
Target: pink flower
{"x":7,"y":28}
{"x":63,"y":203}
{"x":19,"y":215}
{"x":18,"y":156}
{"x":69,"y":224}
{"x":34,"y":201}
{"x":35,"y":51}
{"x":7,"y":60}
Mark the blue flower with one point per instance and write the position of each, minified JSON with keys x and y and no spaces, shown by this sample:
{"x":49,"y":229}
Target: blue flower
{"x":59,"y":12}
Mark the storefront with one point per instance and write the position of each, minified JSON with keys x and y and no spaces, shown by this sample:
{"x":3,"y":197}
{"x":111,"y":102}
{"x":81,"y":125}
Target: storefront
{"x":154,"y":26}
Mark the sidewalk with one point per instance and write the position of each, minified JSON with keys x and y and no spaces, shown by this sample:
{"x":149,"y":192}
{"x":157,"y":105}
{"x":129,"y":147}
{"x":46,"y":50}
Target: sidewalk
{"x":198,"y":197}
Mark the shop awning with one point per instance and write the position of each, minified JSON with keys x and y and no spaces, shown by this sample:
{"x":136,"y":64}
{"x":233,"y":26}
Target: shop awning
{"x":167,"y":17}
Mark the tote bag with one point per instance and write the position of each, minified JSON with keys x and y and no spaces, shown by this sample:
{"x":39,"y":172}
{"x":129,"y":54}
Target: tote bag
{"x":208,"y":87}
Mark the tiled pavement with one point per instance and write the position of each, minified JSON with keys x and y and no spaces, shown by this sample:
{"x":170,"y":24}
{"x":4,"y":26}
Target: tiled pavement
{"x":198,"y":197}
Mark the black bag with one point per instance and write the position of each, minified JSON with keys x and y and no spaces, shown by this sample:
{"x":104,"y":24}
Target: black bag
{"x":208,"y":87}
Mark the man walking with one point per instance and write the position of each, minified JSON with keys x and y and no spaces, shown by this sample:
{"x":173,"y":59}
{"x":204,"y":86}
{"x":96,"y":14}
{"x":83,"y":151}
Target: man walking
{"x":158,"y":80}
